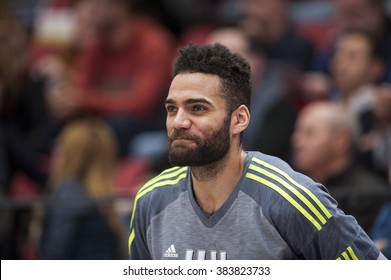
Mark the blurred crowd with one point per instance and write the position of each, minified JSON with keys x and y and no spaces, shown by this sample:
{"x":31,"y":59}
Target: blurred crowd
{"x":82,"y":121}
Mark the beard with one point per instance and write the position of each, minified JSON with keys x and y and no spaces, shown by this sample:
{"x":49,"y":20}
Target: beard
{"x":208,"y":150}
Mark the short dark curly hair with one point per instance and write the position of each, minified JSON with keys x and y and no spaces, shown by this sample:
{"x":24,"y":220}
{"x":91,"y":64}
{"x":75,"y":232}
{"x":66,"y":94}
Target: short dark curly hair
{"x":232,"y":69}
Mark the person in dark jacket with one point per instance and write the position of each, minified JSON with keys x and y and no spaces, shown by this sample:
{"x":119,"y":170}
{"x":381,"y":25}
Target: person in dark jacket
{"x":80,"y":220}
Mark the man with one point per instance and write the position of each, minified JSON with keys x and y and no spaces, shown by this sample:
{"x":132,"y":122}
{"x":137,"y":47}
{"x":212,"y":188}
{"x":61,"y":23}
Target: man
{"x":324,"y":148}
{"x":356,"y":68}
{"x":221,"y":202}
{"x":365,"y":15}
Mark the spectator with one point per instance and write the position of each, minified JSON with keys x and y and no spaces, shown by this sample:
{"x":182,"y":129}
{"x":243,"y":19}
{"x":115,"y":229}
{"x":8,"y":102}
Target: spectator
{"x":356,"y":69}
{"x":268,"y":25}
{"x":122,"y":69}
{"x":360,"y":15}
{"x":365,"y":15}
{"x":324,"y":149}
{"x":80,"y":220}
{"x":22,"y":116}
{"x":20,"y":121}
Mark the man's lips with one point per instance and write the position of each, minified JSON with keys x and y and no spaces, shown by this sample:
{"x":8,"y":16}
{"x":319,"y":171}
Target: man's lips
{"x":182,"y":136}
{"x":182,"y":140}
{"x":179,"y":139}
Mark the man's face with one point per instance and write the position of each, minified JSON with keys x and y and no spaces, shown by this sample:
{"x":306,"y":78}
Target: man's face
{"x":198,"y":126}
{"x":312,"y":140}
{"x":352,"y":65}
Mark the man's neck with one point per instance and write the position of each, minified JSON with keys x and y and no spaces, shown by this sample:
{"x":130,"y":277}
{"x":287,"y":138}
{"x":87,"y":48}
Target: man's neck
{"x":214,"y":183}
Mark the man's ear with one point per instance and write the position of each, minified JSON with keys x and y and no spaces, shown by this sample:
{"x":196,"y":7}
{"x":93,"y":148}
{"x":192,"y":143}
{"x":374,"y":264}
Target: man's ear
{"x":240,"y":119}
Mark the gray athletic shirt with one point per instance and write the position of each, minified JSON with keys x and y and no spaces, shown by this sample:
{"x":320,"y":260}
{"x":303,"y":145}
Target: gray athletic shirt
{"x":273,"y":213}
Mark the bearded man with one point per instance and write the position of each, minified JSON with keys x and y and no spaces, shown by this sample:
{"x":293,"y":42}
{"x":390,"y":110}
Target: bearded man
{"x":221,"y":202}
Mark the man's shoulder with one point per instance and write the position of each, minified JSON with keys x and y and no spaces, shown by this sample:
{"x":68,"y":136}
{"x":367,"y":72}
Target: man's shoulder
{"x":163,"y":182}
{"x":275,"y":164}
{"x":273,"y":182}
{"x":273,"y":176}
{"x":274,"y":172}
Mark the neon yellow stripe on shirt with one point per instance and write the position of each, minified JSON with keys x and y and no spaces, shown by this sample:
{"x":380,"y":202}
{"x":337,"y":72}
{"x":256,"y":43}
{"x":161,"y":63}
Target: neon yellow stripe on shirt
{"x":351,"y":252}
{"x":348,"y":255}
{"x":287,"y":197}
{"x":292,"y":189}
{"x":310,"y":194}
{"x":130,"y":241}
{"x":158,"y":184}
{"x":345,"y":256}
{"x":163,"y":176}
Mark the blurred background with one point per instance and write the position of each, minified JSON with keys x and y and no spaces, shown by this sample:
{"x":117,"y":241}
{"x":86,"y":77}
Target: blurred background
{"x":82,"y":121}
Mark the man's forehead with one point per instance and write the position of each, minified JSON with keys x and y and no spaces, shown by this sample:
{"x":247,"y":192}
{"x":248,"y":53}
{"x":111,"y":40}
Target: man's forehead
{"x":195,"y":86}
{"x":196,"y":79}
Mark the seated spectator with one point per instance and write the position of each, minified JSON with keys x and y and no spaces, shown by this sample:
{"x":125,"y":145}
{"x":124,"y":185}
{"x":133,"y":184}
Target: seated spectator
{"x":368,"y":16}
{"x":356,"y":69}
{"x":22,"y":117}
{"x":324,"y":145}
{"x":122,"y":69}
{"x":23,"y":112}
{"x":364,"y":15}
{"x":16,"y":154}
{"x":81,"y":221}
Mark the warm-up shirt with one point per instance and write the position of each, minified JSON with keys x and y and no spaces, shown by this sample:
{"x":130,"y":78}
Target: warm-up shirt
{"x":273,"y":213}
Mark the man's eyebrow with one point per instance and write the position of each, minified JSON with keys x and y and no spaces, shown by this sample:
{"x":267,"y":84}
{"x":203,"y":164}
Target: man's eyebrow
{"x":169,"y":101}
{"x":197,"y":100}
{"x":190,"y":101}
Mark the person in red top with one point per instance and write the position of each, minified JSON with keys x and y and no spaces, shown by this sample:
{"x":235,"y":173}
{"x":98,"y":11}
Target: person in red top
{"x":122,"y":70}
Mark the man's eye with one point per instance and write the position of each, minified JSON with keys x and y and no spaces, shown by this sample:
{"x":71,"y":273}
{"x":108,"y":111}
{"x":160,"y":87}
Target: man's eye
{"x":171,"y":109}
{"x":199,"y":108}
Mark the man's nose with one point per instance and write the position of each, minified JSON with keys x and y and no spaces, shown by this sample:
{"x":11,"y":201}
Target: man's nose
{"x":181,"y":120}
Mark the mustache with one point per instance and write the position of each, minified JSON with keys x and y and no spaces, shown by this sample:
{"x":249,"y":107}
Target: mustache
{"x":181,"y":134}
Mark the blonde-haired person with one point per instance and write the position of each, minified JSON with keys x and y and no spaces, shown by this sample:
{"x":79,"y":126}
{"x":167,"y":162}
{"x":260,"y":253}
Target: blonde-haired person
{"x":81,"y":221}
